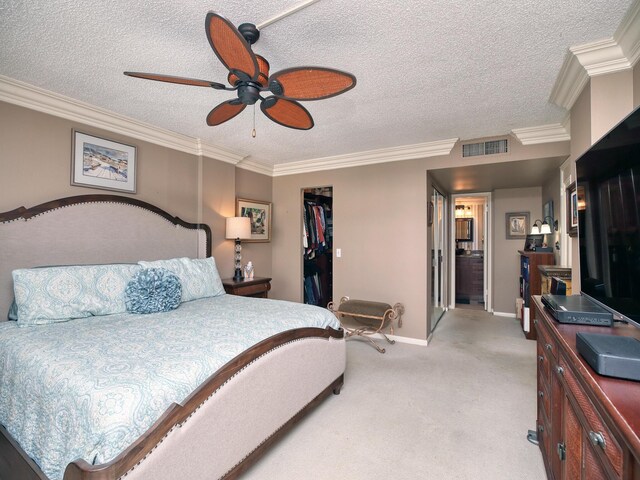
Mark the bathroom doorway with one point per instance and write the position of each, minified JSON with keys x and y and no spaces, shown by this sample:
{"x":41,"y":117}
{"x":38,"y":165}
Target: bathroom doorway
{"x":470,"y":265}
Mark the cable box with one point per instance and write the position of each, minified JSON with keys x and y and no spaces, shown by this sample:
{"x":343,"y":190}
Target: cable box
{"x":610,"y":355}
{"x":577,"y":309}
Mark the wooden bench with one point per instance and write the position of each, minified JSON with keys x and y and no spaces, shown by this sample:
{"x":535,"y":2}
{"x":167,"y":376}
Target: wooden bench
{"x":365,"y":318}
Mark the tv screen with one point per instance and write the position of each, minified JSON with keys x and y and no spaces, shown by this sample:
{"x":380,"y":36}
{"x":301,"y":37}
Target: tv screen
{"x":608,"y":208}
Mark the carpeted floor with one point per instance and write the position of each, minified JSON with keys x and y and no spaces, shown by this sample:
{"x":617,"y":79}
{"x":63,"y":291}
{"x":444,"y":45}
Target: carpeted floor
{"x":457,"y":409}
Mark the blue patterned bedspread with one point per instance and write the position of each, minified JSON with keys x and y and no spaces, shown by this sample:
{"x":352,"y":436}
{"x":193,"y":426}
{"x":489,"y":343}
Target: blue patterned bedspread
{"x":89,"y":387}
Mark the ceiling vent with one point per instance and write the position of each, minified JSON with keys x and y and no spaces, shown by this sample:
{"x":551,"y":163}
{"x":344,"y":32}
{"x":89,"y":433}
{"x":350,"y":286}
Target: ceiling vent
{"x":485,"y":148}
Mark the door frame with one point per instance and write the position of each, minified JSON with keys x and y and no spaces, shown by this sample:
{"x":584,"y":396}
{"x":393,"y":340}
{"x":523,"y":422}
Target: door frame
{"x":488,"y":249}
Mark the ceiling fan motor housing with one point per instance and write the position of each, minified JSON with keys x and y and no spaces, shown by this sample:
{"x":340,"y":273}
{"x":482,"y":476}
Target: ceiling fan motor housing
{"x":249,"y":92}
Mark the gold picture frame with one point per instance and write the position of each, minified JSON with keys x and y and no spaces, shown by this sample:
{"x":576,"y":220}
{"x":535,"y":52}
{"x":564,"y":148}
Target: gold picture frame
{"x":259,"y":213}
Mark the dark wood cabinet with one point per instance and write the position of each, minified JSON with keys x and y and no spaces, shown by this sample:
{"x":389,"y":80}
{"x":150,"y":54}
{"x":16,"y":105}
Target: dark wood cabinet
{"x":255,"y":287}
{"x":589,"y":427}
{"x":469,"y":279}
{"x":530,"y":286}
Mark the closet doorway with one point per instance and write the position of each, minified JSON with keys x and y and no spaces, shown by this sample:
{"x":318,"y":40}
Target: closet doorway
{"x":317,"y":245}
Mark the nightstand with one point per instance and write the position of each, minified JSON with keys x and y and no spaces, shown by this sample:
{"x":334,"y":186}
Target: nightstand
{"x":256,"y":287}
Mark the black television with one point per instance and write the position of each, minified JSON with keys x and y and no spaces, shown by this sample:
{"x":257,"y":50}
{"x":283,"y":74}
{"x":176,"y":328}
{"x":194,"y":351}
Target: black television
{"x":608,"y":211}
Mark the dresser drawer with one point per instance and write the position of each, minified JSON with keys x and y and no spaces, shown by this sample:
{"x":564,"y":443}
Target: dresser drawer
{"x":544,"y":338}
{"x":544,"y":362}
{"x":598,"y":434}
{"x":544,"y":396}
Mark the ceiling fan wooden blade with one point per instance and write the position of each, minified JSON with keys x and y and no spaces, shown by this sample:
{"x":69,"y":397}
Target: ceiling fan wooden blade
{"x":180,"y":80}
{"x":230,"y":46}
{"x":310,"y":83}
{"x":225,"y":111}
{"x":287,"y":113}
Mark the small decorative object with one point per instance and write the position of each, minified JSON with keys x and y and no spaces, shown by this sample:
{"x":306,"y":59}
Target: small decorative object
{"x":259,"y":214}
{"x":238,"y":228}
{"x":153,"y":290}
{"x":248,"y":271}
{"x":100,"y":163}
{"x":517,"y":225}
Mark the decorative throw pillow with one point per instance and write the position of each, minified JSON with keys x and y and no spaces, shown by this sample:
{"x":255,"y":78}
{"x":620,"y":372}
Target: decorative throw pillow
{"x":153,"y":290}
{"x":199,"y":276}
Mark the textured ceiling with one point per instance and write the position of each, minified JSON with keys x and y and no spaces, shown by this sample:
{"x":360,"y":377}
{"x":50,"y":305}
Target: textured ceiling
{"x":426,"y":70}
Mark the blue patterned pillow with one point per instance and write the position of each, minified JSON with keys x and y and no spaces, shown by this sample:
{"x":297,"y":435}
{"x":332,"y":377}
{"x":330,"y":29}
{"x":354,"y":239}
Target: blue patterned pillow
{"x":153,"y":290}
{"x":57,"y":294}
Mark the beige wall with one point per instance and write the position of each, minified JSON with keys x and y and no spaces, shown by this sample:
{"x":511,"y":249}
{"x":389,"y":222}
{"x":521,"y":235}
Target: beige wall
{"x":35,"y":165}
{"x":506,"y":261}
{"x":255,"y":186}
{"x":380,"y":224}
{"x":611,"y":101}
{"x":636,"y":86}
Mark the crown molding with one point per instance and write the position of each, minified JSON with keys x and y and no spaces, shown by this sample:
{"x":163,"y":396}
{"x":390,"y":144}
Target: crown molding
{"x":256,"y":167}
{"x":370,"y":157}
{"x":602,"y":57}
{"x":45,"y":101}
{"x":557,"y":132}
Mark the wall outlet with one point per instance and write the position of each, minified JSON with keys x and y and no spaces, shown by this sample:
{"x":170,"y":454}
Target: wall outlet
{"x":338,"y":252}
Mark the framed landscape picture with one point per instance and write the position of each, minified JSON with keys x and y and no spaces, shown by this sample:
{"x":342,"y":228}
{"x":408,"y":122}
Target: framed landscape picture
{"x":100,"y":163}
{"x":517,"y":225}
{"x":260,"y":215}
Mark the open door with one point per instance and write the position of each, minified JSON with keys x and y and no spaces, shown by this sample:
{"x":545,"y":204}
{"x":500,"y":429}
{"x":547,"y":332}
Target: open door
{"x":438,"y":255}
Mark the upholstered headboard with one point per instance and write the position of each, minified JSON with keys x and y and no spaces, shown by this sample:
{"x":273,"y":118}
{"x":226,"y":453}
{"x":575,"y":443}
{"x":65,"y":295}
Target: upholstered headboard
{"x":92,"y":229}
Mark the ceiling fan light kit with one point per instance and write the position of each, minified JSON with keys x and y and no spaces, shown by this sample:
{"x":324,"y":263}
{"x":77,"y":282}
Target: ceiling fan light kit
{"x":249,"y":78}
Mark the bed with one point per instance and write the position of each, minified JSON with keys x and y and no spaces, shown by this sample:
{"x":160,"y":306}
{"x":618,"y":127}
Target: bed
{"x":243,"y":371}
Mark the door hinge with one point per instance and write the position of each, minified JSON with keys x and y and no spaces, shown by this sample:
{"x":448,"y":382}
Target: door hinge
{"x":562,"y":451}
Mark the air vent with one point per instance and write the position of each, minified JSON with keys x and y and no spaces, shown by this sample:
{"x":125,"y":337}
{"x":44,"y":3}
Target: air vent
{"x":485,"y":148}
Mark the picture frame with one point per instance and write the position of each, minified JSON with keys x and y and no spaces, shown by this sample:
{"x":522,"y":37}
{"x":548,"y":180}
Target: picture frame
{"x":517,"y":225}
{"x":547,"y":211}
{"x":572,"y":210}
{"x":260,"y":214}
{"x":101,"y":163}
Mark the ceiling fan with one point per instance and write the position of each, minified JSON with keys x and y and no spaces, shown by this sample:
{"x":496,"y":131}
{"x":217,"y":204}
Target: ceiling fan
{"x":249,"y":78}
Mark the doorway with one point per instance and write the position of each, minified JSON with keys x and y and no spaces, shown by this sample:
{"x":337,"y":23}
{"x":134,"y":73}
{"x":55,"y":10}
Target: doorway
{"x":470,"y":242}
{"x":317,"y":245}
{"x":438,"y":255}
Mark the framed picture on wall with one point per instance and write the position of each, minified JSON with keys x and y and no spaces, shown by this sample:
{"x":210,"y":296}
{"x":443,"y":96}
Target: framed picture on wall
{"x":572,"y":210}
{"x":100,"y":163}
{"x":517,"y":225}
{"x":260,"y":215}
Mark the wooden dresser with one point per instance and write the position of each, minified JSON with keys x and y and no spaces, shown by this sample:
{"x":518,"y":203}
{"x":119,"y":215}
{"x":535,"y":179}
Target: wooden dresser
{"x":588,"y":425}
{"x":530,"y":286}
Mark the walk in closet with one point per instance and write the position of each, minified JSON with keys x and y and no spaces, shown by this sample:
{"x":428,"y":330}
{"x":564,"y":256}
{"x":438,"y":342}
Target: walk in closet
{"x":317,"y":245}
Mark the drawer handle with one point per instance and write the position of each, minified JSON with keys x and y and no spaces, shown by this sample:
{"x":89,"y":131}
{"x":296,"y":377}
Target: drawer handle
{"x":541,"y":358}
{"x":540,"y":393}
{"x":535,"y":321}
{"x":548,"y":346}
{"x":597,"y":439}
{"x":560,"y":370}
{"x":562,"y":451}
{"x":541,"y":428}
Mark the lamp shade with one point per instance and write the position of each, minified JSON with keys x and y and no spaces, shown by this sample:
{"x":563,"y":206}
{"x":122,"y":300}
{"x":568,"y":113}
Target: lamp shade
{"x":238,"y":227}
{"x":545,"y":228}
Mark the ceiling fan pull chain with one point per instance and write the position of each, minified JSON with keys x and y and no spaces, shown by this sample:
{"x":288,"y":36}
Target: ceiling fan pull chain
{"x":253,"y":132}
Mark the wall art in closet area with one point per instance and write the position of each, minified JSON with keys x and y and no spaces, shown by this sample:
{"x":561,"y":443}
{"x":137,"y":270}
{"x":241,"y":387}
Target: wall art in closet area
{"x":259,"y":213}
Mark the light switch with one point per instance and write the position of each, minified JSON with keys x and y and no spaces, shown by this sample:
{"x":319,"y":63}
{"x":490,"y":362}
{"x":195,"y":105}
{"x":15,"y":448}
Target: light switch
{"x":338,"y":252}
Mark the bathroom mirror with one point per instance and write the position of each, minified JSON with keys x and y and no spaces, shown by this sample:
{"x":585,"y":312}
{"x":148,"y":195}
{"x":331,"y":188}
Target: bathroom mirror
{"x":464,"y":229}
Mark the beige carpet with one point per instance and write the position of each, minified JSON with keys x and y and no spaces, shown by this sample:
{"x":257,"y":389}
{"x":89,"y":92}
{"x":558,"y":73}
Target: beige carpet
{"x":457,"y":409}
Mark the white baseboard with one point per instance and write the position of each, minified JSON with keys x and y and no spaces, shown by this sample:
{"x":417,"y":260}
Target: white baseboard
{"x":504,"y":314}
{"x":399,"y":339}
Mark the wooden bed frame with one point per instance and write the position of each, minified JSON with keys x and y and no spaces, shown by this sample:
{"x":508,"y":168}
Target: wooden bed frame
{"x":230,"y":420}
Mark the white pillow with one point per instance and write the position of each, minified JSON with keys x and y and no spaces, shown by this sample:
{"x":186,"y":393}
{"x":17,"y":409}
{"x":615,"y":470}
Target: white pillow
{"x":199,"y":276}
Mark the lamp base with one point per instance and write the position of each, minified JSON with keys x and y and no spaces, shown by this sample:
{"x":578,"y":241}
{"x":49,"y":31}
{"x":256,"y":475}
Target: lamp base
{"x":237,"y":277}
